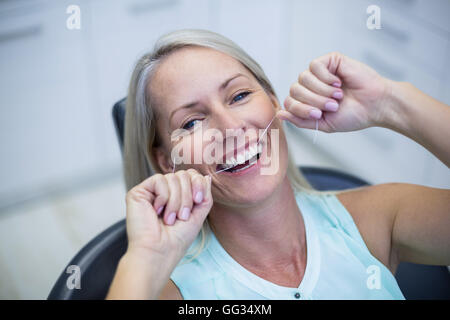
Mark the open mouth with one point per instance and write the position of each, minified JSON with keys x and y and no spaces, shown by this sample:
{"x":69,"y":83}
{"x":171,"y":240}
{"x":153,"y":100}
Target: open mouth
{"x":241,"y":161}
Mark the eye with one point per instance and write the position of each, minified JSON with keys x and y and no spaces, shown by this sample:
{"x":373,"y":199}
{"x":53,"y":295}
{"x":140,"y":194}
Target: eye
{"x":240,"y":96}
{"x":190,"y":124}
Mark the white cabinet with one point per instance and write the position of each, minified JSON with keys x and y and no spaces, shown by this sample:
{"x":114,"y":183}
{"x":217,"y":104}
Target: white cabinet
{"x":47,"y":129}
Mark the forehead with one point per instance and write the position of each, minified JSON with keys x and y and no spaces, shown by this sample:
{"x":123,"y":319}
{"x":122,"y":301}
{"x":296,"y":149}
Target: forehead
{"x":190,"y":72}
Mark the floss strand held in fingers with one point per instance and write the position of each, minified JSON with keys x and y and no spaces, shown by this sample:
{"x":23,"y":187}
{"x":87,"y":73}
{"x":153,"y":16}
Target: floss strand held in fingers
{"x":315,"y":132}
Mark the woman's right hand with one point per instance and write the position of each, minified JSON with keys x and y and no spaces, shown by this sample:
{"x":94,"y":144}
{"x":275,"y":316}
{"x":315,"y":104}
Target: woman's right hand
{"x":166,"y":212}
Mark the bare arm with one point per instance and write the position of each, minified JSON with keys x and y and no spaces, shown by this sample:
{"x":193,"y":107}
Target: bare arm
{"x":421,"y":229}
{"x":421,"y":215}
{"x":402,"y":222}
{"x":140,"y":275}
{"x":418,"y":116}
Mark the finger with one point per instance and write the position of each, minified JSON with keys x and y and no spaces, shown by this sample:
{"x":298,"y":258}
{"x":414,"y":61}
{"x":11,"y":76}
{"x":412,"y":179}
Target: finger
{"x":208,"y":196}
{"x":319,"y":67}
{"x":304,"y":95}
{"x":138,"y":207}
{"x":297,"y":121}
{"x":198,"y":185}
{"x":312,"y":83}
{"x":200,"y":211}
{"x":186,"y":195}
{"x":302,"y":110}
{"x":173,"y":204}
{"x":157,"y":186}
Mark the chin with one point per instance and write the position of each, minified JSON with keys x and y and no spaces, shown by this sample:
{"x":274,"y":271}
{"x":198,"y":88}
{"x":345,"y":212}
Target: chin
{"x":248,"y":190}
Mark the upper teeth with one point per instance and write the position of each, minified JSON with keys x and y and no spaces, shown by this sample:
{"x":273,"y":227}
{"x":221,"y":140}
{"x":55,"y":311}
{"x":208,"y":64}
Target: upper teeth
{"x":243,"y":156}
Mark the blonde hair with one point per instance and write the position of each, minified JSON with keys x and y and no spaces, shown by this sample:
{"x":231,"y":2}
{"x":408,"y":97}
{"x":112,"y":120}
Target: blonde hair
{"x":140,"y":135}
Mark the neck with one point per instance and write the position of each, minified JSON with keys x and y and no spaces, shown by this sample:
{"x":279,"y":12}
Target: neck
{"x":270,"y":235}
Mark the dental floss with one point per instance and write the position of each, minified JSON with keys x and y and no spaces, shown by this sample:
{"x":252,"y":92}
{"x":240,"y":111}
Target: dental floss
{"x":221,"y":170}
{"x":315,"y":133}
{"x":265,"y":130}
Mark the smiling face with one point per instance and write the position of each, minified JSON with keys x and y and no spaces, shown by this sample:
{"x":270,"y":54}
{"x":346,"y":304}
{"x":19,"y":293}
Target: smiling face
{"x":198,"y":87}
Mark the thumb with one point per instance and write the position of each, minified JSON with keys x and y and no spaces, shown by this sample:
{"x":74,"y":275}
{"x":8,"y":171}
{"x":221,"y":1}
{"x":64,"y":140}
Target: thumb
{"x":200,"y":211}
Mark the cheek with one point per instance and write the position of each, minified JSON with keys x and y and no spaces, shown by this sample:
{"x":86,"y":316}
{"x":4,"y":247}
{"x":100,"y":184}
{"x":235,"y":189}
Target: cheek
{"x":262,"y":110}
{"x":189,"y":151}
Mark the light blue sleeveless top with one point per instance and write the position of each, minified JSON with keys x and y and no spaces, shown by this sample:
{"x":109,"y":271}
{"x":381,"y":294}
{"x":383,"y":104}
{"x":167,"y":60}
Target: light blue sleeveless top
{"x":339,"y":264}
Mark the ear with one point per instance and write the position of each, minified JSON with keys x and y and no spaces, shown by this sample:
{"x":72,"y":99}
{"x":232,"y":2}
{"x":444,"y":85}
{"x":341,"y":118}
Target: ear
{"x":163,"y":160}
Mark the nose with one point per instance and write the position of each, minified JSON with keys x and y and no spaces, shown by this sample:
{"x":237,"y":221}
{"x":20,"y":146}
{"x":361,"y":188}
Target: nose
{"x":229,"y":123}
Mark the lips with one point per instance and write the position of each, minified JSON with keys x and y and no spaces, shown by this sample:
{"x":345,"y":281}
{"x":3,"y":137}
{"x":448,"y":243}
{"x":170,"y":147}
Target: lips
{"x":242,"y":159}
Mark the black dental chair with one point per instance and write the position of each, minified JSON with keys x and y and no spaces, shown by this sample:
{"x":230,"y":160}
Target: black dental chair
{"x":99,"y":258}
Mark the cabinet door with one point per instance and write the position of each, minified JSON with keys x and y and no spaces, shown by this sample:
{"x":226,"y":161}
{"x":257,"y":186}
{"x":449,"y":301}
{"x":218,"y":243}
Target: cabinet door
{"x":47,"y":130}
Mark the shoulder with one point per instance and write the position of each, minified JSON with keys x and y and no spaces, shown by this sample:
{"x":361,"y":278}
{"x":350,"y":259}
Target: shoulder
{"x":170,"y":292}
{"x":373,"y":209}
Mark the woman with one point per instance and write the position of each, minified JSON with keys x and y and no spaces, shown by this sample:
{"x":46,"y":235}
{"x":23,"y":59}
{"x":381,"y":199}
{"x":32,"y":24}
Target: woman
{"x":268,"y":236}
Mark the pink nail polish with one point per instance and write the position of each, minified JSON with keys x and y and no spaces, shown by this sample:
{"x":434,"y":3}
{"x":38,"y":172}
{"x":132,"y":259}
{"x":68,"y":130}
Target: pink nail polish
{"x":159,"y":210}
{"x":315,"y":114}
{"x":185,"y":213}
{"x":171,"y":218}
{"x":338,"y":95}
{"x":198,"y":197}
{"x":331,"y":106}
{"x":336,"y":84}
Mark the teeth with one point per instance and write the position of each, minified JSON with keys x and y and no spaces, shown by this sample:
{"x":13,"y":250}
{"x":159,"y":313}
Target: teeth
{"x":240,"y":158}
{"x":243,"y":156}
{"x":251,"y":153}
{"x":231,"y":161}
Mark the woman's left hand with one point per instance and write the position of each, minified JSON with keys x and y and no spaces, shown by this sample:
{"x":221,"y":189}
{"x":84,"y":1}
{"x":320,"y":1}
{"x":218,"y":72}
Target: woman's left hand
{"x":341,"y":93}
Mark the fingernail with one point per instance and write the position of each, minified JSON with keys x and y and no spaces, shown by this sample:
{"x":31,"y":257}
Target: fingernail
{"x":199,"y":197}
{"x":338,"y":95}
{"x":159,"y":210}
{"x":331,"y":106}
{"x":336,"y":84}
{"x":171,"y":218}
{"x":185,"y":213}
{"x":315,"y":113}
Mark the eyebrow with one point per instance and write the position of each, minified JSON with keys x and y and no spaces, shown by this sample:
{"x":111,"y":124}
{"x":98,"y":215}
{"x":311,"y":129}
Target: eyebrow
{"x":221,"y":87}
